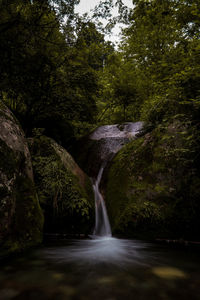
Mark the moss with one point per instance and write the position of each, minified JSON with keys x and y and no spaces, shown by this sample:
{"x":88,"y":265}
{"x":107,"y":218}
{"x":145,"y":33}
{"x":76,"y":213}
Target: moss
{"x":152,"y":186}
{"x":28,"y":213}
{"x":27,"y":222}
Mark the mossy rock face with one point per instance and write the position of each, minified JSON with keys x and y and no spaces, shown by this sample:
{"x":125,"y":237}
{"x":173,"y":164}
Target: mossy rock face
{"x":20,"y":213}
{"x":64,"y":190}
{"x":152,"y":187}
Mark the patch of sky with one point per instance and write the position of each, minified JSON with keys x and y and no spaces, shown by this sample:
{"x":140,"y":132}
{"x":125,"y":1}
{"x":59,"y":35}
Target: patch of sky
{"x":86,"y":6}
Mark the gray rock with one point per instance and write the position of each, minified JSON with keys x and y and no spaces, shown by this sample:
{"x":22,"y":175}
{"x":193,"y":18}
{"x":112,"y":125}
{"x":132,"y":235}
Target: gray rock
{"x":20,"y":213}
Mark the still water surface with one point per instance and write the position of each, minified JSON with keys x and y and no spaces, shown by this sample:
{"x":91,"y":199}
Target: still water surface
{"x":102,"y":268}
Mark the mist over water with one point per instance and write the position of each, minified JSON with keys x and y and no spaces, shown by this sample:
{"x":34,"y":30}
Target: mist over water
{"x":101,"y":268}
{"x":98,"y":250}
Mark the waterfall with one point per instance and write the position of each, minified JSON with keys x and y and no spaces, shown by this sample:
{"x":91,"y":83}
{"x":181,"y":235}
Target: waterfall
{"x":112,"y":138}
{"x":102,"y":224}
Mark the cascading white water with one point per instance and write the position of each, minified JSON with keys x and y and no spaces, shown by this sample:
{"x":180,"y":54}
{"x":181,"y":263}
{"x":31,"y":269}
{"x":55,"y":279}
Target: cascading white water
{"x":113,"y":137}
{"x":126,"y":130}
{"x":102,"y":224}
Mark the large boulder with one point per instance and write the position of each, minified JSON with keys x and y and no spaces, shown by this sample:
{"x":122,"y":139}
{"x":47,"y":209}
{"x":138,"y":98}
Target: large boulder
{"x":152,"y":187}
{"x":20,"y":214}
{"x":65,"y":191}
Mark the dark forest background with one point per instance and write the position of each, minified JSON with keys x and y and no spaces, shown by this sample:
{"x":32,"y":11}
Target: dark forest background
{"x":58,"y":72}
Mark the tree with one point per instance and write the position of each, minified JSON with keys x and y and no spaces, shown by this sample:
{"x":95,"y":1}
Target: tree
{"x":45,"y":77}
{"x":30,"y":56}
{"x":162,"y":41}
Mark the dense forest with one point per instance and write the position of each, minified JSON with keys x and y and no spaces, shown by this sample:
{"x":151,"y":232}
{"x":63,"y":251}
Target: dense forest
{"x":56,"y":66}
{"x":61,"y":78}
{"x":51,"y":61}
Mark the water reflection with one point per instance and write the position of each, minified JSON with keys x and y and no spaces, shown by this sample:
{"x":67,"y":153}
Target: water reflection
{"x":119,"y":252}
{"x":102,"y":268}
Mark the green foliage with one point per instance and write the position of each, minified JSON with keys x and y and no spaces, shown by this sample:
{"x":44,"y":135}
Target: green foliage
{"x":155,"y":75}
{"x":56,"y":72}
{"x":56,"y":183}
{"x":49,"y":64}
{"x":139,"y":215}
{"x":122,"y":92}
{"x":163,"y":41}
{"x":67,"y":203}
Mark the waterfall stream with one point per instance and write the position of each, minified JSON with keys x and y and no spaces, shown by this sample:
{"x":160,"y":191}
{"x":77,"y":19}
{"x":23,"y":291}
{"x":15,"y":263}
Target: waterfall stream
{"x":113,"y":137}
{"x":102,"y":224}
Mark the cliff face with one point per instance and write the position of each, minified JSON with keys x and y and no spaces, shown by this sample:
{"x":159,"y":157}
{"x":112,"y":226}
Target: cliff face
{"x":20,"y":213}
